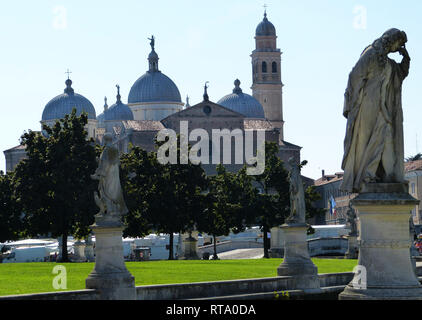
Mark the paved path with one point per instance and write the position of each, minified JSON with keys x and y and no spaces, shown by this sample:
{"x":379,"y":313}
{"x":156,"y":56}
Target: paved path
{"x":255,"y":253}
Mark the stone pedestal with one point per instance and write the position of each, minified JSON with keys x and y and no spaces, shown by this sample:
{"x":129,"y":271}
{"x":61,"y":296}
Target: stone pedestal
{"x":297,"y":263}
{"x":385,"y":270}
{"x":189,"y":251}
{"x":110,"y":275}
{"x":277,"y":243}
{"x":352,"y":247}
{"x":79,"y":251}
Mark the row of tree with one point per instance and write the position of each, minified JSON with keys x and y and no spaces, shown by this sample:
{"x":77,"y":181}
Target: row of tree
{"x":51,"y":191}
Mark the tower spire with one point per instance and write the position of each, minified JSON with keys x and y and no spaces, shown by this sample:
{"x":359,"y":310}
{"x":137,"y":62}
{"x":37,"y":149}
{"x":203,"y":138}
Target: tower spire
{"x":153,"y":56}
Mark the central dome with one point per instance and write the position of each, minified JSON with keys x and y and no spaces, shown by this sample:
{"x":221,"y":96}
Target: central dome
{"x":154,"y":86}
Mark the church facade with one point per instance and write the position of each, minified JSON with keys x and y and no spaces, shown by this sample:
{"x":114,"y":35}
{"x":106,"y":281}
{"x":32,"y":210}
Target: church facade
{"x":154,"y":103}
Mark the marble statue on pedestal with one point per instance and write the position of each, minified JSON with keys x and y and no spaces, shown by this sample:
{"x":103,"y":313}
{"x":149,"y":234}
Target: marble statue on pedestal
{"x":373,"y":165}
{"x":110,"y":275}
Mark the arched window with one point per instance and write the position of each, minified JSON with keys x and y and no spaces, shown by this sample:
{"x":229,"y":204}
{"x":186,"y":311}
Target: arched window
{"x":264,"y":67}
{"x":274,"y":67}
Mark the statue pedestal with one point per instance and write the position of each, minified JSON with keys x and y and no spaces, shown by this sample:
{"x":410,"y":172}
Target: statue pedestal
{"x":352,"y":247}
{"x":110,"y":275}
{"x":79,"y":249}
{"x":385,"y":270}
{"x":189,"y":251}
{"x":277,"y":243}
{"x":297,"y":263}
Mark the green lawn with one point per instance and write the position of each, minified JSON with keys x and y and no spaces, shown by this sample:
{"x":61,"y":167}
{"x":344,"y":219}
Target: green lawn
{"x":22,"y":278}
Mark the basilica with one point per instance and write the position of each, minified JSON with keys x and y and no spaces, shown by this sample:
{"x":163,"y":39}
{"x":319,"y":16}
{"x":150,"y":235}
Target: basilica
{"x":154,"y":103}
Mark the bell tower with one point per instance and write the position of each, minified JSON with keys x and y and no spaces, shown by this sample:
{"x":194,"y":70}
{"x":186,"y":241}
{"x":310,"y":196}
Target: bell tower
{"x":267,"y":87}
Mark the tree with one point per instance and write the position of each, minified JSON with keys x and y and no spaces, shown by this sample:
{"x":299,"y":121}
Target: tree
{"x":10,"y":211}
{"x":271,"y":204}
{"x":167,"y":198}
{"x":139,"y":170}
{"x":223,"y":205}
{"x":53,"y":184}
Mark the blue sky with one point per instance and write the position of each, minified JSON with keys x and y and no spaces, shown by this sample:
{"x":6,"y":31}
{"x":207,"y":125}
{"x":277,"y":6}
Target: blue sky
{"x":105,"y":42}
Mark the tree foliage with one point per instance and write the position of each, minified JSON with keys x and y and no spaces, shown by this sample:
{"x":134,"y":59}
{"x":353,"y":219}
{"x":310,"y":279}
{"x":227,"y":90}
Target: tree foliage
{"x":53,"y":183}
{"x":10,"y":210}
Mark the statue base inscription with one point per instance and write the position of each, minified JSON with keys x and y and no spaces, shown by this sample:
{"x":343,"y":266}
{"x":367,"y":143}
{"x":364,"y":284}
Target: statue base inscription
{"x":385,"y":270}
{"x":297,"y":263}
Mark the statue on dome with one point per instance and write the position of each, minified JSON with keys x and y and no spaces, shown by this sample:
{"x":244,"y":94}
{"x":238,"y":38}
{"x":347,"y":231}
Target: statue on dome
{"x":152,"y":43}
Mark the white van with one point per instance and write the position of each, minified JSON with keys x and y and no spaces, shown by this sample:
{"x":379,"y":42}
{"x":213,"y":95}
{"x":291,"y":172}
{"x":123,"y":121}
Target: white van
{"x":28,"y":254}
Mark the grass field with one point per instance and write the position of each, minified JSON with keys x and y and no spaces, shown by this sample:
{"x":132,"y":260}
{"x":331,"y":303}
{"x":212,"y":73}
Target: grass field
{"x":22,"y":278}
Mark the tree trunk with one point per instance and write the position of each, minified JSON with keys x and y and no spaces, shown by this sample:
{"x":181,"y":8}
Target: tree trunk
{"x":171,"y":247}
{"x":265,"y":230}
{"x":65,"y":257}
{"x":215,"y":257}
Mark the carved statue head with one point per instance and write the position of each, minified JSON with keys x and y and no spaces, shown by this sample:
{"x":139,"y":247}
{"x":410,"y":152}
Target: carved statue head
{"x":391,"y":41}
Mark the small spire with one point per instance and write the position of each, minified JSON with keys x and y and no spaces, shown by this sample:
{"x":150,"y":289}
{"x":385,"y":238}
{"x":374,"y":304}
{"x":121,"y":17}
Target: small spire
{"x":237,"y":87}
{"x":105,"y":104}
{"x":69,"y":90}
{"x":265,"y":11}
{"x":118,"y":94}
{"x":206,"y":98}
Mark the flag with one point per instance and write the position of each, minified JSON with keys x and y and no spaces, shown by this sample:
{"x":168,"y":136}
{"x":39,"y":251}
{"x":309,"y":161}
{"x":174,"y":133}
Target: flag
{"x":332,"y":206}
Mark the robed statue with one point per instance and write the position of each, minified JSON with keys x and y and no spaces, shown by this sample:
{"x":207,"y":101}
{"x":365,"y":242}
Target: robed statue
{"x":373,"y":146}
{"x":297,"y":195}
{"x":110,"y":195}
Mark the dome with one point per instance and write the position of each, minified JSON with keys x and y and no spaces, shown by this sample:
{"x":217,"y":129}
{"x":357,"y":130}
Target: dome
{"x":118,"y":111}
{"x":63,"y":104}
{"x":265,"y":28}
{"x":154,"y":87}
{"x":242,"y":103}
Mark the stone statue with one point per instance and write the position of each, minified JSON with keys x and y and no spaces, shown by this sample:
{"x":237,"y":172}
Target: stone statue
{"x":373,"y":146}
{"x":351,"y":220}
{"x":297,"y":195}
{"x":152,"y":43}
{"x":110,"y":198}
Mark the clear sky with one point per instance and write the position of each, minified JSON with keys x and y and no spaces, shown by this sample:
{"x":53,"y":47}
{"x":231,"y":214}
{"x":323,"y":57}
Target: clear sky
{"x":105,"y":42}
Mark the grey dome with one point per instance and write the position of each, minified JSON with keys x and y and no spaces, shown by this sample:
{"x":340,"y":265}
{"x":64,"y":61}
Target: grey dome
{"x":63,"y":104}
{"x":265,"y":28}
{"x":154,"y":86}
{"x":242,"y":103}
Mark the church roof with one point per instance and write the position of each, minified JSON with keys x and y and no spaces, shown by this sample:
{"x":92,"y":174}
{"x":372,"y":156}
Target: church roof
{"x":242,"y":103}
{"x":63,"y":104}
{"x":143,"y":125}
{"x":265,"y":28}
